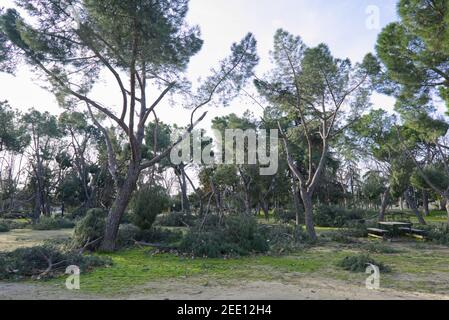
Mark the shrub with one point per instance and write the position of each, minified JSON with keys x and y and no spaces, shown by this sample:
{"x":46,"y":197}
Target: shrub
{"x":50,"y":223}
{"x":175,"y":219}
{"x":77,"y":213}
{"x":127,"y":234}
{"x":341,"y":236}
{"x":379,"y":248}
{"x":34,"y":262}
{"x":359,"y":263}
{"x":16,"y":215}
{"x":286,"y":238}
{"x":159,"y":235}
{"x":4,"y":227}
{"x":14,"y":224}
{"x":350,"y":233}
{"x":147,"y":204}
{"x":90,"y":228}
{"x":333,"y":216}
{"x":239,"y":235}
{"x":284,"y":216}
{"x":439,"y":235}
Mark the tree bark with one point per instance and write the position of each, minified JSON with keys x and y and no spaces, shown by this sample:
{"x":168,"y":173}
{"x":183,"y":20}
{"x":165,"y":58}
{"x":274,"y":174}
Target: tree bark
{"x":247,"y":203}
{"x":411,"y":203}
{"x":443,"y":204}
{"x":297,"y":202}
{"x":425,"y":203}
{"x":185,"y":198}
{"x":308,"y":214}
{"x":384,"y":204}
{"x":265,"y":208}
{"x":37,"y":207}
{"x":446,"y":198}
{"x":118,"y":209}
{"x":216,"y":193}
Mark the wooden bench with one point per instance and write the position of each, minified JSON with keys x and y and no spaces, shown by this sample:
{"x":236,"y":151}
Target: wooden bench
{"x":377,"y":233}
{"x":415,"y":233}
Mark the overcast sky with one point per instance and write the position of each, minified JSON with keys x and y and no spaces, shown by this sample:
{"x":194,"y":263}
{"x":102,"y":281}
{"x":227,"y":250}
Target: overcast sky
{"x":345,"y":25}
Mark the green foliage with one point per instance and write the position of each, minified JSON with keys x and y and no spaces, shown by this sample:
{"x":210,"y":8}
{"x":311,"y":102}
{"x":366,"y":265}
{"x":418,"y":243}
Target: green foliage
{"x":159,"y":235}
{"x":51,"y":223}
{"x":90,"y":228}
{"x":333,"y":216}
{"x":175,"y":219}
{"x":286,"y":238}
{"x":340,"y":236}
{"x":4,"y":227}
{"x":33,"y":262}
{"x":127,"y":234}
{"x":379,"y":248}
{"x":12,"y":134}
{"x":439,"y":235}
{"x":432,"y":173}
{"x":359,"y":263}
{"x":373,"y":186}
{"x":415,"y":51}
{"x":284,"y":216}
{"x":147,"y":204}
{"x":239,"y":235}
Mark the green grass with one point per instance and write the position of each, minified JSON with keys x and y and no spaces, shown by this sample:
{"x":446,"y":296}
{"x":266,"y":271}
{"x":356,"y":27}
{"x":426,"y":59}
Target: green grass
{"x":136,"y":267}
{"x":415,"y":267}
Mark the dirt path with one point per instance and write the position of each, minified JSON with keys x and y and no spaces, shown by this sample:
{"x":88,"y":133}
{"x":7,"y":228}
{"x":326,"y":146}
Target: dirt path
{"x":306,"y":289}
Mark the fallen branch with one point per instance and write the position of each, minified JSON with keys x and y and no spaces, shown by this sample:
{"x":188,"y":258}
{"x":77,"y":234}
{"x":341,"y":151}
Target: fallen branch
{"x":88,"y":244}
{"x":158,"y":246}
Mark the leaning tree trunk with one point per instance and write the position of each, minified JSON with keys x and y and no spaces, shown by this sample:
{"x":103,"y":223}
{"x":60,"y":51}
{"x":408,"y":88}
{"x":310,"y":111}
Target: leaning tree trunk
{"x":308,"y":213}
{"x":412,"y":204}
{"x":118,"y":209}
{"x":425,"y":203}
{"x":446,"y":198}
{"x":297,"y":202}
{"x":217,"y":195}
{"x":443,"y":204}
{"x":384,"y":204}
{"x":185,"y":198}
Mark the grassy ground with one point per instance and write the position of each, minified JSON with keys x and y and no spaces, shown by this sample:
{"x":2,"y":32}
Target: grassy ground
{"x":28,"y":238}
{"x":416,"y":266}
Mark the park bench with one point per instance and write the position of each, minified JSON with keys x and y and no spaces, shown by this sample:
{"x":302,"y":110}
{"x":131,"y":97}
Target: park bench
{"x":377,"y":233}
{"x":415,"y":233}
{"x":397,"y":216}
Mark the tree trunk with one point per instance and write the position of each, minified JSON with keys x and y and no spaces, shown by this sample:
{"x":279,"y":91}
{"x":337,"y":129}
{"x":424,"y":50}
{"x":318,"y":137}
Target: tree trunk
{"x":443,"y":204}
{"x":425,"y":203}
{"x":308,"y":214}
{"x":265,"y":209}
{"x":247,"y":202}
{"x":447,"y":209}
{"x":297,"y":202}
{"x":216,"y":193}
{"x":118,"y":209}
{"x":383,"y":207}
{"x":37,"y":207}
{"x":185,"y":198}
{"x":411,"y":203}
